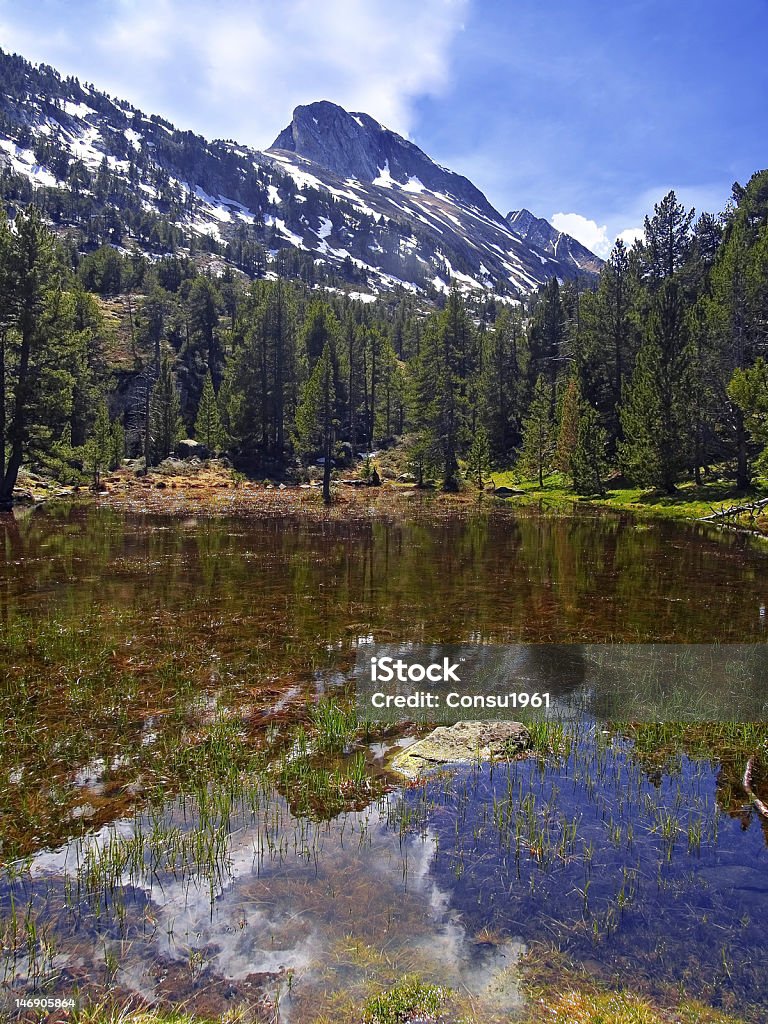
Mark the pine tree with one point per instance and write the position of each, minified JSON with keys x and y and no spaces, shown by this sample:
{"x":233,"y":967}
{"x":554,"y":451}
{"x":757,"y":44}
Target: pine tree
{"x":748,"y":389}
{"x":99,"y":446}
{"x":315,"y":421}
{"x":667,"y":238}
{"x":208,"y":428}
{"x":588,"y":462}
{"x":538,"y":433}
{"x":166,"y":427}
{"x":503,"y":383}
{"x":117,"y":445}
{"x":479,"y":458}
{"x":36,"y":329}
{"x":656,"y":415}
{"x":568,"y":427}
{"x":548,"y":337}
{"x":439,"y":396}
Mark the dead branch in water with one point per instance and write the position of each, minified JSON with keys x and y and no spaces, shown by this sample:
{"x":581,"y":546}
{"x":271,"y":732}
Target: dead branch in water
{"x":751,"y":509}
{"x":747,"y":783}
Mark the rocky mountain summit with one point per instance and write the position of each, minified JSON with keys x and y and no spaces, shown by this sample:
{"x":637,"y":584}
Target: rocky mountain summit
{"x":338,"y":199}
{"x":540,"y":233}
{"x":354,"y":145}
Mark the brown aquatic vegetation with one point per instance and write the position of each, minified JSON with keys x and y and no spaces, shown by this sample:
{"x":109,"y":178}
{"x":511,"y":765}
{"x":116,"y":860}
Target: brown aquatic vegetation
{"x":212,"y":490}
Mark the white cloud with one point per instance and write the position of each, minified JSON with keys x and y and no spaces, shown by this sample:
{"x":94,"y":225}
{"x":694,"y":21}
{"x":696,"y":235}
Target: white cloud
{"x":586,"y":231}
{"x":237,"y":68}
{"x":630,"y":235}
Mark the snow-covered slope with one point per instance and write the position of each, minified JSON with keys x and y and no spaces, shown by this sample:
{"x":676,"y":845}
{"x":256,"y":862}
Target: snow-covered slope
{"x":540,"y":233}
{"x":337,"y":190}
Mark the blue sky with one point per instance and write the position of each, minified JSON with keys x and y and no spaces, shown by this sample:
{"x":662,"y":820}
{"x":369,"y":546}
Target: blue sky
{"x":586,"y":113}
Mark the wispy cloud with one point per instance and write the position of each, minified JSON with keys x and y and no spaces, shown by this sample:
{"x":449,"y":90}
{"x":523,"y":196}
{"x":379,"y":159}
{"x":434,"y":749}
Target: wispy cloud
{"x":237,"y":68}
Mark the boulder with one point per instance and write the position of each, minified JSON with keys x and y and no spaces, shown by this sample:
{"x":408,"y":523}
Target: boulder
{"x":462,"y":743}
{"x":506,"y":492}
{"x":189,"y":449}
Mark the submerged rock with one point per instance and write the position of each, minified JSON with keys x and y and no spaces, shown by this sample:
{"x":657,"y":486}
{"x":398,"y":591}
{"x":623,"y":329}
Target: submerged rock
{"x":507,"y":492}
{"x":463,"y":743}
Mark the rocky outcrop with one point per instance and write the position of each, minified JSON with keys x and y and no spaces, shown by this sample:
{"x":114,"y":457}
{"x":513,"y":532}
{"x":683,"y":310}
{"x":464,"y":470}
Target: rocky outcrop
{"x":462,"y":743}
{"x":540,"y":233}
{"x":354,"y":145}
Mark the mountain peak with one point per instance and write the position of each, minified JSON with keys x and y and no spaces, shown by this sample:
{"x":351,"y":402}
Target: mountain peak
{"x":354,"y":145}
{"x":539,"y":232}
{"x":326,"y":134}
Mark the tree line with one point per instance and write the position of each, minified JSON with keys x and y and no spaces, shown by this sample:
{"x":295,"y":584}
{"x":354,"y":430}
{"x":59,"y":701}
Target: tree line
{"x":656,"y":370}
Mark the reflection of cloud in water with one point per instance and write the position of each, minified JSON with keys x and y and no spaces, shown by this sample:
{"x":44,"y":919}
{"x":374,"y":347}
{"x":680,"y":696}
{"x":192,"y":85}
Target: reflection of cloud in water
{"x":348,"y":883}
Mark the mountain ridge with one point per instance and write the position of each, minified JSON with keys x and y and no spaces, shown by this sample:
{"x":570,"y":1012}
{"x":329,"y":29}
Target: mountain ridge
{"x":545,"y":236}
{"x":340,"y":196}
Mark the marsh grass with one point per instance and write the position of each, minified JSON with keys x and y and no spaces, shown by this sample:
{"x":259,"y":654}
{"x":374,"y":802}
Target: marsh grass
{"x":409,"y":998}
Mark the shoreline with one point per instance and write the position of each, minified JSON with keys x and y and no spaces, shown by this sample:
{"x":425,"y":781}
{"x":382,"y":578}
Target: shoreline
{"x":211,"y":490}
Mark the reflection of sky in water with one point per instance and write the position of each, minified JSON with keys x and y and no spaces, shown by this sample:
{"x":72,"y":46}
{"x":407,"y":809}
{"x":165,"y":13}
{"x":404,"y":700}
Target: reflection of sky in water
{"x":655,"y":902}
{"x":476,"y":871}
{"x":334,"y":889}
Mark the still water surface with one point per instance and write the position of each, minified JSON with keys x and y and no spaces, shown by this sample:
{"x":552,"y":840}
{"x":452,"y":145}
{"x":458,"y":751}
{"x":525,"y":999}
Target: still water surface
{"x":126,"y":639}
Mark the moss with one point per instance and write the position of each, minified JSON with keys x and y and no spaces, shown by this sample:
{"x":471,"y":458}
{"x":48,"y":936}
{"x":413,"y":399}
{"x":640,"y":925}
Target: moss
{"x":574,"y":1007}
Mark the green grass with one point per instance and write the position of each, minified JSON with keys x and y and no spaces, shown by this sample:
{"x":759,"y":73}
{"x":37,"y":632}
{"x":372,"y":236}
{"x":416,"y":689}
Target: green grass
{"x":688,"y":502}
{"x":409,"y":998}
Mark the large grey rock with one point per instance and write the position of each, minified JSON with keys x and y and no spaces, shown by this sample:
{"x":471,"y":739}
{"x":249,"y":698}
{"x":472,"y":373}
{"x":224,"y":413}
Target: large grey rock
{"x":463,"y":743}
{"x":190,"y":449}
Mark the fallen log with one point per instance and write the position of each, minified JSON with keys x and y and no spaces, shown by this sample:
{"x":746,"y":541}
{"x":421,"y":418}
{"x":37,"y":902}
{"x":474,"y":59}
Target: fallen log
{"x":751,"y":509}
{"x":747,"y":783}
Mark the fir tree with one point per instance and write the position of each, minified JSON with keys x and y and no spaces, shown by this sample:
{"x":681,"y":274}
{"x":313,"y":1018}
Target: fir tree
{"x":166,"y":427}
{"x":656,"y":416}
{"x":538,"y":433}
{"x":208,"y":428}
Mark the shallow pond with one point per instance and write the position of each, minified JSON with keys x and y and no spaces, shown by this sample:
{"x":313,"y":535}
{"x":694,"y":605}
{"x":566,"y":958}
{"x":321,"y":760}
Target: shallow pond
{"x":167,"y":831}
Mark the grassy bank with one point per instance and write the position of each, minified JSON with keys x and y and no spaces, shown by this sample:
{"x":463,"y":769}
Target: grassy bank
{"x":573,"y":1001}
{"x":690,"y":501}
{"x":213,"y":489}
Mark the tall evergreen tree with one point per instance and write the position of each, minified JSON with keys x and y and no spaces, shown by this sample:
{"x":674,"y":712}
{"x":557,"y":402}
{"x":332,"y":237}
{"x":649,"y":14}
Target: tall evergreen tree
{"x":166,"y":427}
{"x":315,"y":416}
{"x":667,"y":238}
{"x":440,"y":395}
{"x":547,"y":339}
{"x":35,"y":384}
{"x":99,"y":446}
{"x":588,"y":463}
{"x":568,"y":427}
{"x":208,"y":428}
{"x":538,"y":433}
{"x":502,"y":383}
{"x":656,"y":415}
{"x":479,"y":457}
